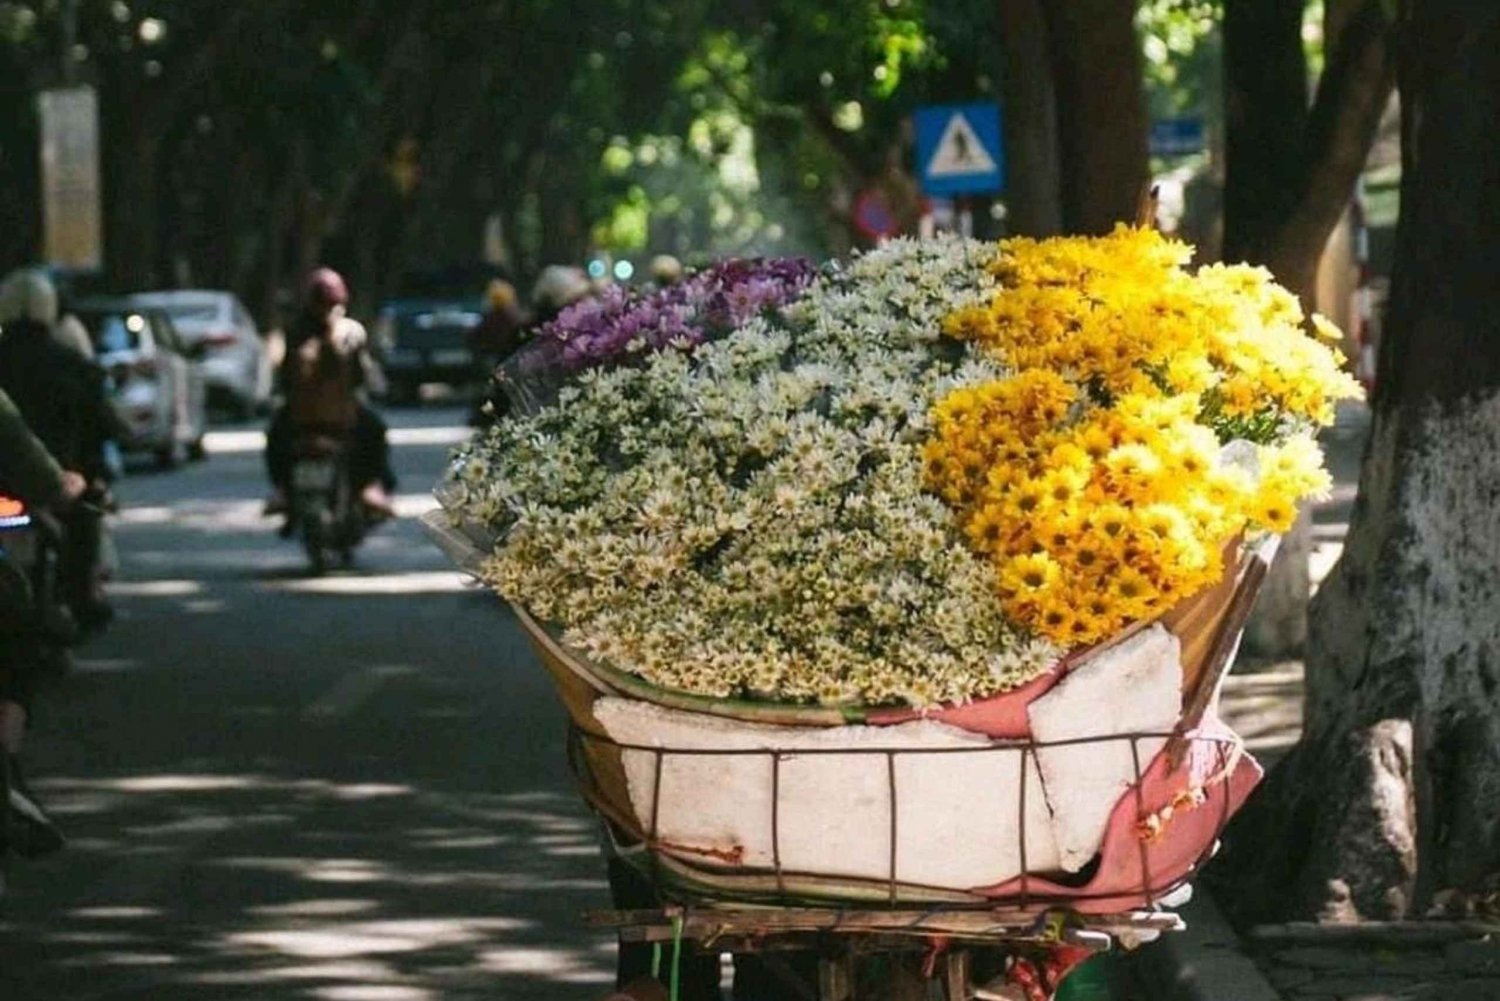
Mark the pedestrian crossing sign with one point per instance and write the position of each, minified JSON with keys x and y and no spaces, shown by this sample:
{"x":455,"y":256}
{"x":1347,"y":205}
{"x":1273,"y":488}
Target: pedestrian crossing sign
{"x":959,"y":150}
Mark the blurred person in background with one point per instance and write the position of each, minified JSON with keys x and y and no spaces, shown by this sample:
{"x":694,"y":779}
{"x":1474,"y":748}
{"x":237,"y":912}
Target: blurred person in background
{"x":557,"y":288}
{"x":666,"y":270}
{"x":29,"y":473}
{"x":62,"y":398}
{"x":73,"y":335}
{"x":497,"y":335}
{"x":325,"y":373}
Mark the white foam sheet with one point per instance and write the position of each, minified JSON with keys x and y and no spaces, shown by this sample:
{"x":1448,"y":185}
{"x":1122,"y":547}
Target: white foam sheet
{"x":1133,"y":687}
{"x":957,"y":813}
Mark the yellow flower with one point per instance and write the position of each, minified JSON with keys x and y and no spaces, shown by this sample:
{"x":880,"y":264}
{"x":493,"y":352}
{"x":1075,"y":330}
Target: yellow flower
{"x":1273,"y":511}
{"x":1030,"y":575}
{"x":1091,"y":476}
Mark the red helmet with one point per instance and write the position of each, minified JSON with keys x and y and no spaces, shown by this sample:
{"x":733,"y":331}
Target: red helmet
{"x":325,"y":287}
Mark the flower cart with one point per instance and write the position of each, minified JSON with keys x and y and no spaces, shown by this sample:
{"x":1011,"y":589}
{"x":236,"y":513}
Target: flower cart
{"x":890,"y":606}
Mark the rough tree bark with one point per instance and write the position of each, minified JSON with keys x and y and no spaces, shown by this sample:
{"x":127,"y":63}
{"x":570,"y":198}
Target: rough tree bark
{"x":1032,"y":171}
{"x":1393,"y":792}
{"x":1291,"y":167}
{"x":1101,"y":112}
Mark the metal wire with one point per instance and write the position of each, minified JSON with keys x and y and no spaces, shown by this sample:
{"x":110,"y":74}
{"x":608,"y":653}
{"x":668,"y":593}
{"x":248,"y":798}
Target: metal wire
{"x":1027,"y":898}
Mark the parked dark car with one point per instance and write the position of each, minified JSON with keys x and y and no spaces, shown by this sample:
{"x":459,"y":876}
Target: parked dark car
{"x":422,"y":335}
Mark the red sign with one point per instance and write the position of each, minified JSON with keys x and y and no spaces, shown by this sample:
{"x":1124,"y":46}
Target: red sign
{"x":873,"y":216}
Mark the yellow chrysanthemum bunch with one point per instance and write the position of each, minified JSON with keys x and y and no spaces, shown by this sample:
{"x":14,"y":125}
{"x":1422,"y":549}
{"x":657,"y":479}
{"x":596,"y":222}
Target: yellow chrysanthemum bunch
{"x":1122,"y":315}
{"x":1095,"y":476}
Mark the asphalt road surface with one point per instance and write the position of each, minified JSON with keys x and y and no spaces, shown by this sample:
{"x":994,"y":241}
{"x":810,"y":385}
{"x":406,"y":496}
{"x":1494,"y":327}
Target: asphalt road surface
{"x":349,"y":789}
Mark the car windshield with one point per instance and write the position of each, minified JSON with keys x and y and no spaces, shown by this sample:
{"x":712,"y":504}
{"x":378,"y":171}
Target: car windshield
{"x":114,"y":331}
{"x":193,"y":312}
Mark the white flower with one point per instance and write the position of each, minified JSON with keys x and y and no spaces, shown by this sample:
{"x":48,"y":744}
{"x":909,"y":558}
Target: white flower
{"x":749,"y":516}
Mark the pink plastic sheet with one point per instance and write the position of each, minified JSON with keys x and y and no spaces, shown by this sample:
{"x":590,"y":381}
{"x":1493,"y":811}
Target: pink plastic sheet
{"x":1136,"y":872}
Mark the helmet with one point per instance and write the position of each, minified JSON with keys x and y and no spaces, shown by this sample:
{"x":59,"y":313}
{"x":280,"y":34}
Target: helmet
{"x":559,"y":286}
{"x":28,"y":294}
{"x":500,"y":294}
{"x":666,"y":269}
{"x":325,"y":287}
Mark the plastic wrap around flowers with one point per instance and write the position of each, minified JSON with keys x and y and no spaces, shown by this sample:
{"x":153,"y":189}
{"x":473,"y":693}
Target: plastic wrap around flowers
{"x":920,"y":480}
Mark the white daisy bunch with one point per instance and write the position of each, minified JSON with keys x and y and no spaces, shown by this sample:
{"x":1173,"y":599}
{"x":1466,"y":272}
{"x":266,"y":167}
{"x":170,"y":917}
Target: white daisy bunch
{"x":749,"y":518}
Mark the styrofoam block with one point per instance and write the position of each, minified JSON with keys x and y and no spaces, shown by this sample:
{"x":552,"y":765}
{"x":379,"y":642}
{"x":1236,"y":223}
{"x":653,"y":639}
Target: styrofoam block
{"x":1133,"y":687}
{"x":957,"y":813}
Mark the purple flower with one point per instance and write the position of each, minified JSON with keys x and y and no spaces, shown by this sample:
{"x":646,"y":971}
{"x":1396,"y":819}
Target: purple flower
{"x":618,"y":324}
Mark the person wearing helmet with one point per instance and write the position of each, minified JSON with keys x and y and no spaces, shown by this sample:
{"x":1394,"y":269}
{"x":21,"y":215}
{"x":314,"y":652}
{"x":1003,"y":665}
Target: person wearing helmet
{"x":324,"y":375}
{"x":495,"y":338}
{"x":61,"y":396}
{"x":557,"y":288}
{"x":666,"y":270}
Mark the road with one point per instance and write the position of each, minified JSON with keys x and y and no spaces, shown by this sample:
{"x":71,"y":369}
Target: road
{"x":348,"y":789}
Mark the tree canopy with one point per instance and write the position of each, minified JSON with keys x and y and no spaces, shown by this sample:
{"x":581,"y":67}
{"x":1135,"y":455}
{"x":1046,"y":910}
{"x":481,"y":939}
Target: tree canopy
{"x":245,"y":142}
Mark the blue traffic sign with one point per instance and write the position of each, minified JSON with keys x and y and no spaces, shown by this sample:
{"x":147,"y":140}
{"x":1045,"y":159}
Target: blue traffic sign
{"x":1177,"y":136}
{"x":959,"y":150}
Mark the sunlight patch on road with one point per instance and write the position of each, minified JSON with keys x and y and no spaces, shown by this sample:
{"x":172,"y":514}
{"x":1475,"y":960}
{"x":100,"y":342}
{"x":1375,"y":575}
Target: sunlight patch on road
{"x":104,"y":665}
{"x":415,"y":582}
{"x":572,"y":966}
{"x":353,"y":690}
{"x":453,"y":434}
{"x":373,"y":992}
{"x":323,"y":908}
{"x":155,"y":588}
{"x":115,"y":913}
{"x":217,"y":516}
{"x":184,"y":783}
{"x":244,"y":441}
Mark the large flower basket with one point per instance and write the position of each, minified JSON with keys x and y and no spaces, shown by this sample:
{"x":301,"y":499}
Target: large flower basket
{"x":909,"y":586}
{"x":743,"y":800}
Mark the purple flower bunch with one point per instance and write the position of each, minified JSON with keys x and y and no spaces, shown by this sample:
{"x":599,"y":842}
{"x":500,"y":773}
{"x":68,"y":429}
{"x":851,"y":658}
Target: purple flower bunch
{"x":618,"y":325}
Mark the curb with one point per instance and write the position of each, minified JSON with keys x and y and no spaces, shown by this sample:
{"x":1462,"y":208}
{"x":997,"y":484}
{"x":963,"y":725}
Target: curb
{"x":1203,"y":963}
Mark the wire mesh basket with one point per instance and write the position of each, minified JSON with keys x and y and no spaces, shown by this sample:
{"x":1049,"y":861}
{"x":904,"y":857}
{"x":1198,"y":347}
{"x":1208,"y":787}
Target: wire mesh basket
{"x":1161,"y":829}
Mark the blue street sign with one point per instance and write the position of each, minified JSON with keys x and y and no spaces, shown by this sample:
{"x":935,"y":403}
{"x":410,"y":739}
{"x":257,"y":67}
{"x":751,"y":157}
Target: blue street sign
{"x":959,"y":151}
{"x":1177,"y":136}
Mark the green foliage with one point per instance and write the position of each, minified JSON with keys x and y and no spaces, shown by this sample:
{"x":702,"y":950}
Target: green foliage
{"x":245,"y":139}
{"x":1183,"y":55}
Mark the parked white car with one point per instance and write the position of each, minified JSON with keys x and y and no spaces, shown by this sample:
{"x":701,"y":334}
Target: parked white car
{"x":234,"y":360}
{"x":155,"y":385}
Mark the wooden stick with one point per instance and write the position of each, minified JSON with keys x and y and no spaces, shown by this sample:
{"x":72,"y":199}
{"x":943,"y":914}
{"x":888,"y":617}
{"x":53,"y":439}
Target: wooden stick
{"x":705,"y":923}
{"x":1224,"y":646}
{"x":1145,"y":212}
{"x":957,"y":975}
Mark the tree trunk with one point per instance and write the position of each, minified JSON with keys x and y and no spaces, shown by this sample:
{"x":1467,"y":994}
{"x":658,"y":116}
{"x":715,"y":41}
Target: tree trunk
{"x":1393,"y":792}
{"x":1101,"y":112}
{"x":1290,"y":171}
{"x":1265,"y":114}
{"x":132,"y":238}
{"x":1031,"y":168}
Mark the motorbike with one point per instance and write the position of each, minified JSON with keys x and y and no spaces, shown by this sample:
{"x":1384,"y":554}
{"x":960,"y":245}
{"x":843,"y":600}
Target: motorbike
{"x":36,"y":631}
{"x":36,"y":624}
{"x":326,"y":511}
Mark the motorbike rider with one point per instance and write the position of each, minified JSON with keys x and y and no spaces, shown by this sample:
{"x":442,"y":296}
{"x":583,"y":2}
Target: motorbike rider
{"x":497,"y":335}
{"x":33,"y":476}
{"x":62,"y":398}
{"x":326,"y":369}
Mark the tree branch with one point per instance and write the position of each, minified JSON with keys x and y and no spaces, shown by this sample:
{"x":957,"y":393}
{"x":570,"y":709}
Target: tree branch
{"x":1351,"y":98}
